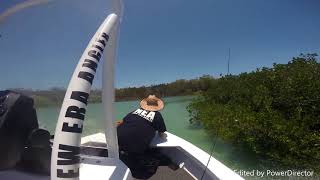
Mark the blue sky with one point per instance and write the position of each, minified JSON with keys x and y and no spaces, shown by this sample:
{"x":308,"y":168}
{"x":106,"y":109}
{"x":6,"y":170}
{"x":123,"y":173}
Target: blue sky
{"x":160,"y":41}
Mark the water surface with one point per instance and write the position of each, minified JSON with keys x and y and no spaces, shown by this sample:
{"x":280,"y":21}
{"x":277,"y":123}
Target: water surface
{"x":177,"y":121}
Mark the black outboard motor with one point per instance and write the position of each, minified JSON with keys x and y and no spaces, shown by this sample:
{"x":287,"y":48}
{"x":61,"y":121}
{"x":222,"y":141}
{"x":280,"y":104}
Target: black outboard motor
{"x":17,"y":120}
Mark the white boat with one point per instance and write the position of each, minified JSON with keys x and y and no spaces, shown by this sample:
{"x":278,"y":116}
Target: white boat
{"x":95,"y":163}
{"x":193,"y":162}
{"x":99,"y":156}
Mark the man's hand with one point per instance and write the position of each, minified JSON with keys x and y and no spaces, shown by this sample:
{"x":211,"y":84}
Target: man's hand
{"x":119,"y":122}
{"x":163,"y":135}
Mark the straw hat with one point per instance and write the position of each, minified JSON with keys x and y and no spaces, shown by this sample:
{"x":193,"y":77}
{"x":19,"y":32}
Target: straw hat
{"x":152,"y":103}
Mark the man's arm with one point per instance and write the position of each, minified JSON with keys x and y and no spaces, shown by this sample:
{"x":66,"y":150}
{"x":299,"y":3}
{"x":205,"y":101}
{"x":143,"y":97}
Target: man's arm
{"x":119,"y":122}
{"x":162,"y":135}
{"x":160,"y":126}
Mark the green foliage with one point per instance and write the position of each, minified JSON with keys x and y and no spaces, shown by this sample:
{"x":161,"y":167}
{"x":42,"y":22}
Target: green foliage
{"x":181,"y":87}
{"x":42,"y":101}
{"x":273,"y":111}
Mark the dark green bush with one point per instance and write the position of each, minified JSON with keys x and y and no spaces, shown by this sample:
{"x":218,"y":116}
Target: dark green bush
{"x":275,"y":111}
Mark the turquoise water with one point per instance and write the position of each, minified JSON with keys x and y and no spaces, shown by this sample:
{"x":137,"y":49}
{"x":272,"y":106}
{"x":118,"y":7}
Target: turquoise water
{"x":177,"y":121}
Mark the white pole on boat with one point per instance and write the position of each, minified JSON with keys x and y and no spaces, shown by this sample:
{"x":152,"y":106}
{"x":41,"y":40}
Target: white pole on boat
{"x":108,"y":91}
{"x":65,"y":157}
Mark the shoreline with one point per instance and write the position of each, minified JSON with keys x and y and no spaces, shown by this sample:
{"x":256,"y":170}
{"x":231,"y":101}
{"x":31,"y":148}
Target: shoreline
{"x":38,"y":104}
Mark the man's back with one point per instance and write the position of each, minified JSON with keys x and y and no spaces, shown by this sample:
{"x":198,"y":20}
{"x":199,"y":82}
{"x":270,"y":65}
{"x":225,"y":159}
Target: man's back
{"x":135,"y":134}
{"x":138,"y":129}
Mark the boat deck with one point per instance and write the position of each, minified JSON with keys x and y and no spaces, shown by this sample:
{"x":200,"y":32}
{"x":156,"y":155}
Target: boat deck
{"x":164,"y":173}
{"x":95,"y":163}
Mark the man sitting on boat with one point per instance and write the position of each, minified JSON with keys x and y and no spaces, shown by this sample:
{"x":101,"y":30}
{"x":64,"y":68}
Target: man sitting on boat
{"x":135,"y":133}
